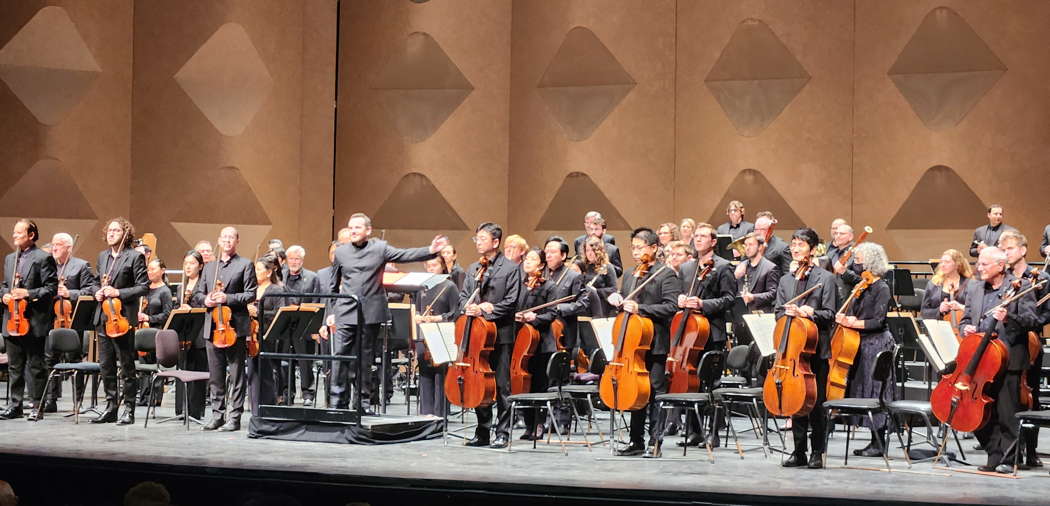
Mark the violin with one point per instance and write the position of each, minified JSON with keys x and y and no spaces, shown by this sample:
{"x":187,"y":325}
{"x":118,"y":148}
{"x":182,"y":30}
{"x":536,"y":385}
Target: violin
{"x":252,"y":342}
{"x":116,"y":324}
{"x":953,"y":316}
{"x":790,"y":387}
{"x":143,"y":302}
{"x":17,"y":324}
{"x":470,"y":382}
{"x":223,"y":334}
{"x":690,"y":333}
{"x":63,"y":306}
{"x":844,"y":344}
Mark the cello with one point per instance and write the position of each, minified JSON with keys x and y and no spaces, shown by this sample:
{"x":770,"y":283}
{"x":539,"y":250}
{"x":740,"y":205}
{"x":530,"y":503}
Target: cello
{"x":223,"y":334}
{"x":63,"y":306}
{"x":470,"y":381}
{"x":624,"y":384}
{"x":790,"y":387}
{"x":116,"y":324}
{"x":525,"y":342}
{"x":690,"y":332}
{"x":844,"y":344}
{"x":17,"y":324}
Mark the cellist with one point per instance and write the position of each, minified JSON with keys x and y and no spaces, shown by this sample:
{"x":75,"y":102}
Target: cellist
{"x":713,"y":299}
{"x":1015,"y":245}
{"x":1010,"y":324}
{"x":537,"y":289}
{"x":818,"y":306}
{"x":564,"y":282}
{"x":498,"y":300}
{"x":74,"y":279}
{"x":658,"y":301}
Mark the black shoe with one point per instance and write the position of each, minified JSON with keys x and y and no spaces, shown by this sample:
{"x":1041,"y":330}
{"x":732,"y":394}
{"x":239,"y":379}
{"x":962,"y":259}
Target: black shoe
{"x":107,"y":416}
{"x":478,"y":441}
{"x":1032,"y":461}
{"x":986,"y":469}
{"x":214,"y":423}
{"x":128,"y":418}
{"x":671,"y":430}
{"x":499,"y":442}
{"x":652,"y":451}
{"x":633,"y":450}
{"x":11,"y":412}
{"x":691,"y":440}
{"x":233,"y":425}
{"x":816,"y":461}
{"x":308,"y":401}
{"x":34,"y":415}
{"x":51,"y":406}
{"x":797,"y":459}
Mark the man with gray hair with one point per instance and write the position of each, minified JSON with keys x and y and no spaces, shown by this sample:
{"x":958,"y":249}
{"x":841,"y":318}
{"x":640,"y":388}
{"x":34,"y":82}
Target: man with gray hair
{"x":298,"y":279}
{"x":74,"y":279}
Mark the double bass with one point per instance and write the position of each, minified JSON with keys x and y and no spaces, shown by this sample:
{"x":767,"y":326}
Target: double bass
{"x":844,"y":344}
{"x":690,"y":332}
{"x":790,"y":388}
{"x":470,"y":382}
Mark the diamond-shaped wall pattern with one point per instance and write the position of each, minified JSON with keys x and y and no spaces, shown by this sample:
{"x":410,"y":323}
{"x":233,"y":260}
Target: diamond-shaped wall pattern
{"x":227,"y":79}
{"x":755,"y":78}
{"x":927,"y":207}
{"x":575,"y":197}
{"x":756,"y":192}
{"x":48,"y":66}
{"x":583,"y":83}
{"x":945,"y":69}
{"x":420,"y":87}
{"x":415,"y":192}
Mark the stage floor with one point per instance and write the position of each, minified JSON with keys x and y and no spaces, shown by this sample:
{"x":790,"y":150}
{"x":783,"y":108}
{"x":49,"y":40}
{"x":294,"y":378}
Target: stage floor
{"x":455,"y":471}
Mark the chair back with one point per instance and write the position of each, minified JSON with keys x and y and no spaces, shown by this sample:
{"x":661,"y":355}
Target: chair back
{"x":146,"y":340}
{"x":167,"y":346}
{"x":710,"y":369}
{"x":558,"y":368}
{"x":598,"y":362}
{"x":883,"y":370}
{"x":737,"y":360}
{"x":62,"y":341}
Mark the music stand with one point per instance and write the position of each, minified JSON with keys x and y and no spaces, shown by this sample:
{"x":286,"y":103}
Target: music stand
{"x":905,"y":332}
{"x":410,"y":284}
{"x":186,"y":323}
{"x":900,"y":285}
{"x":83,"y":320}
{"x":404,"y":331}
{"x":289,"y":323}
{"x":722,"y":242}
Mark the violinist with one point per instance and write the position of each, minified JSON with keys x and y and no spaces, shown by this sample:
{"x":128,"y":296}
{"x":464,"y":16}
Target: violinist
{"x":439,"y":304}
{"x":261,"y":374}
{"x":205,"y":249}
{"x":565,"y":282}
{"x":1010,"y":325}
{"x":122,"y":276}
{"x":737,"y":226}
{"x":658,"y":302}
{"x":1015,"y":245}
{"x":195,"y":357}
{"x":667,"y":232}
{"x":777,"y":251}
{"x":818,"y":306}
{"x":498,"y":300}
{"x":867,"y":315}
{"x":686,"y":228}
{"x":237,"y":279}
{"x":537,"y":289}
{"x":712,"y":298}
{"x":455,"y":272}
{"x":946,"y":291}
{"x":156,"y":307}
{"x":299,"y":279}
{"x":30,"y":281}
{"x":595,"y":263}
{"x":988,"y":235}
{"x":514,"y":248}
{"x":74,"y":279}
{"x":757,"y":276}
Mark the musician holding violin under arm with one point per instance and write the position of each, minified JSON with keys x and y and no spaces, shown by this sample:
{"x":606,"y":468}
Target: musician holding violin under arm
{"x":28,"y":288}
{"x":946,"y":291}
{"x":1010,"y":324}
{"x":123,"y":281}
{"x":74,"y":279}
{"x":437,"y":304}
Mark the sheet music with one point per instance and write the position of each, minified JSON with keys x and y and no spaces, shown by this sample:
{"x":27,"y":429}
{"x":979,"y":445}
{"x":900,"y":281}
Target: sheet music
{"x":424,"y":279}
{"x":943,"y":339}
{"x":761,"y":327}
{"x":603,"y":328}
{"x":440,"y":340}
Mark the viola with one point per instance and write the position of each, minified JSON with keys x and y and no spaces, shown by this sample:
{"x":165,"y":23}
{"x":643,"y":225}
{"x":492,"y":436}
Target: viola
{"x":63,"y":308}
{"x":953,"y":316}
{"x":844,"y":344}
{"x":470,"y":381}
{"x":253,"y":338}
{"x":790,"y":387}
{"x":17,"y":324}
{"x":690,"y":332}
{"x":116,"y":323}
{"x":223,"y":335}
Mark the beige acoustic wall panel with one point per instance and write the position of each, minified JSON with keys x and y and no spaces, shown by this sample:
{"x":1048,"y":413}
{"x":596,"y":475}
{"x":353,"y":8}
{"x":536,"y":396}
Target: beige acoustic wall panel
{"x":592,"y":116}
{"x":763,"y":110}
{"x":423,"y":117}
{"x":951,"y":115}
{"x":65,"y":100}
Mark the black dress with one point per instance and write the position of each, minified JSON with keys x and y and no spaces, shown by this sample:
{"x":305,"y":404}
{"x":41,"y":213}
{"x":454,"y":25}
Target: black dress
{"x":262,"y":380}
{"x":159,"y":304}
{"x":443,"y":301}
{"x":871,"y":306}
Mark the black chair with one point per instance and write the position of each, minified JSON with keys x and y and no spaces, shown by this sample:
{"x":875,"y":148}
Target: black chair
{"x":904,"y":410}
{"x":708,"y":372}
{"x":4,"y":368}
{"x":751,"y":398}
{"x":1027,"y":420}
{"x":588,"y":393}
{"x":558,"y":374}
{"x":856,"y":406}
{"x":167,"y":348}
{"x":737,"y":362}
{"x":58,"y":343}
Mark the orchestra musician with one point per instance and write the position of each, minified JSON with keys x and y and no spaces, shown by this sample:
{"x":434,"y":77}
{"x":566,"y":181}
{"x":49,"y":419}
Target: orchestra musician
{"x":438,"y":304}
{"x":737,"y":226}
{"x":156,"y":306}
{"x":262,"y":377}
{"x":988,"y":235}
{"x":596,"y":264}
{"x":667,"y":232}
{"x":497,"y":303}
{"x":658,"y":301}
{"x":35,"y":282}
{"x":125,"y":269}
{"x":756,"y":275}
{"x":325,"y":276}
{"x":514,"y":248}
{"x":818,"y":306}
{"x":777,"y":251}
{"x":195,"y":356}
{"x":1010,"y":324}
{"x":686,"y":228}
{"x":537,"y":289}
{"x":299,"y":279}
{"x":359,"y":267}
{"x":946,"y":290}
{"x":563,"y":283}
{"x":595,"y":225}
{"x":841,"y":240}
{"x":237,"y":278}
{"x":455,"y":272}
{"x":74,"y":279}
{"x":205,"y":249}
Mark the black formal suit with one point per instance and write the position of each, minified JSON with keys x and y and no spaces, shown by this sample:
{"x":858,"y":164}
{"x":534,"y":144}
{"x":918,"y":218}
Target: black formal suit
{"x":37,"y":275}
{"x":127,"y":273}
{"x":537,"y":366}
{"x":599,"y":292}
{"x":304,"y":281}
{"x":1035,"y":370}
{"x":565,"y":282}
{"x":822,"y":300}
{"x":611,"y":251}
{"x":989,"y":235}
{"x":740,"y":230}
{"x":717,"y":293}
{"x":359,"y":271}
{"x":501,"y":286}
{"x":778,"y":252}
{"x":1000,"y":432}
{"x":238,"y":283}
{"x":761,"y":282}
{"x":79,"y":280}
{"x":658,"y":301}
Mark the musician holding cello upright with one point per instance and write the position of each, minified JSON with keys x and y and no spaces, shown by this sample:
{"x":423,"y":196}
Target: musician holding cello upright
{"x":29,"y":286}
{"x":818,"y":306}
{"x":123,"y":280}
{"x":535,"y":340}
{"x":74,"y":279}
{"x":1010,"y":326}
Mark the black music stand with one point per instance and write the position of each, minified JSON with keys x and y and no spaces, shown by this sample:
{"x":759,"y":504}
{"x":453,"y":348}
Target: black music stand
{"x":410,"y":283}
{"x":289,"y":323}
{"x":83,"y":320}
{"x":722,"y":242}
{"x":905,"y":332}
{"x":900,"y":285}
{"x":186,"y":323}
{"x":403,"y":329}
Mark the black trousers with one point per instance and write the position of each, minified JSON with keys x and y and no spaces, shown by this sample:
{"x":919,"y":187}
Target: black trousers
{"x":1001,"y":430}
{"x":344,"y":373}
{"x":262,"y":379}
{"x":112,"y":351}
{"x":1034,"y":377}
{"x":193,"y":359}
{"x":815,"y":424}
{"x":657,"y":365}
{"x":431,"y":384}
{"x":499,"y":360}
{"x":223,"y":362}
{"x":23,"y":351}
